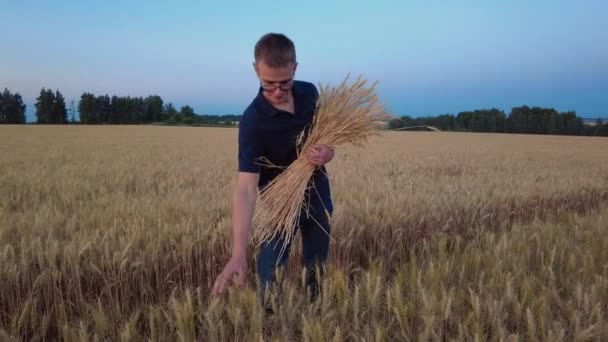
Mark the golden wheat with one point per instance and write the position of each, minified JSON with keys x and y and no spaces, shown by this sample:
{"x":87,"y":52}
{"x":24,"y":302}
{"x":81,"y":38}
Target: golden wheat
{"x":117,"y":232}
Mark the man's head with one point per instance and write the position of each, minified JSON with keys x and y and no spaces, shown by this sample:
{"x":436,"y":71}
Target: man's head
{"x":275,"y":64}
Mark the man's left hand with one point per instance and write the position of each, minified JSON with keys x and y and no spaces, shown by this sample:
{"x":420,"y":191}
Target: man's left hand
{"x":320,"y":154}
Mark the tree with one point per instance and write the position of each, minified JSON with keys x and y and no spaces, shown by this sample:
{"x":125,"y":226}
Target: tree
{"x":12,"y":109}
{"x":137,"y":110}
{"x":520,"y":120}
{"x":478,"y":122}
{"x":154,"y":109}
{"x":572,"y":124}
{"x":171,"y":113}
{"x":44,"y":106}
{"x":462,"y":122}
{"x":444,"y":122}
{"x":187,"y":115}
{"x":552,"y":123}
{"x":408,"y":121}
{"x":86,"y":108}
{"x":118,"y":107}
{"x":187,"y":111}
{"x":103,"y":108}
{"x":59,"y":114}
{"x":486,"y":120}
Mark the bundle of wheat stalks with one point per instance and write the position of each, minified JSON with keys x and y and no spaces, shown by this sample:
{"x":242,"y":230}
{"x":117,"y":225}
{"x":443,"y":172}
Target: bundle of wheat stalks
{"x":348,"y":114}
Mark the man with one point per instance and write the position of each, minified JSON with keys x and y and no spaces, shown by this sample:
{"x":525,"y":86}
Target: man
{"x":269,"y":128}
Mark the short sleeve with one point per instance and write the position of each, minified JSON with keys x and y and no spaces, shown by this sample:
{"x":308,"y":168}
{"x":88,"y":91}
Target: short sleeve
{"x":249,"y":150}
{"x":315,"y":92}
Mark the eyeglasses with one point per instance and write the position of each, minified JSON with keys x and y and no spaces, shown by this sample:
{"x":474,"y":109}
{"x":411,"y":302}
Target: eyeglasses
{"x":271,"y":87}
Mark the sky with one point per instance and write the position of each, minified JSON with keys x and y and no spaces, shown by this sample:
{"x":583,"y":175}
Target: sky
{"x":429,"y":57}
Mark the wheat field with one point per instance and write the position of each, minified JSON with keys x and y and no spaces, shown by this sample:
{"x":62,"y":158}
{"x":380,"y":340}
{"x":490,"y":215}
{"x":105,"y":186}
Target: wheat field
{"x":118,"y":232}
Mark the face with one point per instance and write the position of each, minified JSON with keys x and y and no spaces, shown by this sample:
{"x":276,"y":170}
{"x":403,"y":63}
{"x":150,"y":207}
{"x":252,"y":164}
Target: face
{"x":276,"y":82}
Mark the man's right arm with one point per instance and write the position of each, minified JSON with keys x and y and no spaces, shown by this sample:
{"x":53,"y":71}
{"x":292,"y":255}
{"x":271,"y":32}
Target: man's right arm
{"x":245,"y":194}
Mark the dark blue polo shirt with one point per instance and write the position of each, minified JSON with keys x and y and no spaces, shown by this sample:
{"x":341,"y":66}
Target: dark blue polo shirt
{"x":265,"y":131}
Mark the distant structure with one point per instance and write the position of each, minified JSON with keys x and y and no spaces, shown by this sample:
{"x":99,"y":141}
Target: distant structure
{"x":430,"y":128}
{"x":593,"y":122}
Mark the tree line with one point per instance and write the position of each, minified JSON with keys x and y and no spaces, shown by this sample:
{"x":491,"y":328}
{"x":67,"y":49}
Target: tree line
{"x":98,"y":109}
{"x":104,"y":109}
{"x":524,"y":119}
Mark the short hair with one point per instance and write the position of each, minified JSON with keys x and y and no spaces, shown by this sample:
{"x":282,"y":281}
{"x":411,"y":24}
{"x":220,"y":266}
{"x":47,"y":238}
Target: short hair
{"x":275,"y":49}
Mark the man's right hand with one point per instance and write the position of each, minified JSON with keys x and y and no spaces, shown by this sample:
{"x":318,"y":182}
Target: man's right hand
{"x":235,"y":271}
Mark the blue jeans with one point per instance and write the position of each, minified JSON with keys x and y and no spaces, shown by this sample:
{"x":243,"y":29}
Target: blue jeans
{"x":315,"y":232}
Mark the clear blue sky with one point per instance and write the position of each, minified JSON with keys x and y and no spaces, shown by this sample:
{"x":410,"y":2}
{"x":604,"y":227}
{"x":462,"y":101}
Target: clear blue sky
{"x":430,"y":57}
